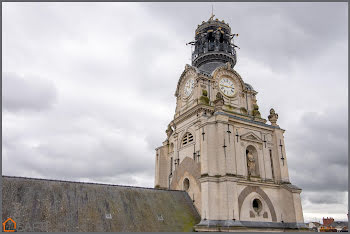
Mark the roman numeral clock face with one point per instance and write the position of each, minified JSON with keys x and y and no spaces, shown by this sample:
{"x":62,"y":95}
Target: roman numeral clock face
{"x":189,"y":85}
{"x":226,"y":86}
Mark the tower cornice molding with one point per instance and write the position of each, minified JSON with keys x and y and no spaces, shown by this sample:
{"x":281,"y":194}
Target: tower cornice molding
{"x":196,"y":109}
{"x":249,"y":120}
{"x":214,"y":57}
{"x":271,"y":184}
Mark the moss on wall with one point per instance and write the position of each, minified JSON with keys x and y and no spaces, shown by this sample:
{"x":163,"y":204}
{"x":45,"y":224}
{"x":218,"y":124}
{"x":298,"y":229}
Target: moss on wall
{"x":60,"y":206}
{"x":204,"y":100}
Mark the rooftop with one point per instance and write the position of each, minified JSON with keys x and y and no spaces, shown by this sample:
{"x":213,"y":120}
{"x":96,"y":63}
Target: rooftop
{"x":60,"y":206}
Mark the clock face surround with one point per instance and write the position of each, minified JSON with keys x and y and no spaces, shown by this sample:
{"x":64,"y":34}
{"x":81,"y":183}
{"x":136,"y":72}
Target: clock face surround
{"x":189,"y":85}
{"x":227,"y":87}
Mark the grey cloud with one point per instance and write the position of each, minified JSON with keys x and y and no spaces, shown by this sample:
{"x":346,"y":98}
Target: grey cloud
{"x":325,"y":198}
{"x":81,"y":156}
{"x":30,"y":93}
{"x":318,"y":150}
{"x":117,"y":70}
{"x":288,"y":32}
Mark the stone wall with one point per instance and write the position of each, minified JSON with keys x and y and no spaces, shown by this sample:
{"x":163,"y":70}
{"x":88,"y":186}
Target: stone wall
{"x":60,"y":206}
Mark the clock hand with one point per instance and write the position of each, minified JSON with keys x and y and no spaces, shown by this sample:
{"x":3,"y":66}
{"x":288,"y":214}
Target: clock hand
{"x":226,"y":86}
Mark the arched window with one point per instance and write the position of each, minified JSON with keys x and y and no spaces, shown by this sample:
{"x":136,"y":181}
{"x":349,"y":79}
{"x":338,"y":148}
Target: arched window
{"x":187,"y":138}
{"x":186,"y":184}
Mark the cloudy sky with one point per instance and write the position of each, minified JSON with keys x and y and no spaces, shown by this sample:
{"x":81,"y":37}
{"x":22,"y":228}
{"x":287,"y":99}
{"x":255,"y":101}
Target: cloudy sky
{"x":88,"y":88}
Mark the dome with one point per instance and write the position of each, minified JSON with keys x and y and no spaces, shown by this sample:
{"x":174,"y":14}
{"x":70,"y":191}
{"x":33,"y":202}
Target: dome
{"x":212,"y":24}
{"x":249,"y":87}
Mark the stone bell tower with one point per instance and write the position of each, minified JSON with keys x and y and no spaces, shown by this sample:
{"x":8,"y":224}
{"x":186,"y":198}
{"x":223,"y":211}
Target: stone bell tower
{"x":220,"y":150}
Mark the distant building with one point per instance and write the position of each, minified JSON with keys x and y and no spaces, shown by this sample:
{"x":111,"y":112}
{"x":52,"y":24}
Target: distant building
{"x":327,"y":221}
{"x":329,"y":225}
{"x":314,"y":226}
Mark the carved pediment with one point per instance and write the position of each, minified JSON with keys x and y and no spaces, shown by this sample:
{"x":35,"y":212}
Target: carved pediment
{"x":250,"y":136}
{"x":189,"y":71}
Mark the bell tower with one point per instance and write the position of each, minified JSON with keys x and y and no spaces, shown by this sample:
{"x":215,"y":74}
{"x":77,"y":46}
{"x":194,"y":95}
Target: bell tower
{"x":219,"y":149}
{"x":213,"y":45}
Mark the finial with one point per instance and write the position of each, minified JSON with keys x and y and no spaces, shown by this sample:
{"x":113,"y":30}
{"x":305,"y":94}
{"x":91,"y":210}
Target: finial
{"x":212,"y":13}
{"x":273,"y":117}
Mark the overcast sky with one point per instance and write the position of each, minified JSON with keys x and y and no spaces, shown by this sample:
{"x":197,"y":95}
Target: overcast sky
{"x":88,"y":88}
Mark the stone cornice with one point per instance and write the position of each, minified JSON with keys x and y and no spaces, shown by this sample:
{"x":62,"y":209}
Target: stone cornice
{"x":247,"y":119}
{"x":214,"y":56}
{"x":238,"y":179}
{"x":292,"y":188}
{"x":208,"y":178}
{"x":192,"y":112}
{"x":255,"y":183}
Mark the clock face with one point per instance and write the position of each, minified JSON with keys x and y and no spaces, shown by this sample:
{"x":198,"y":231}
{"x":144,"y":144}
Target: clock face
{"x":189,"y":87}
{"x":226,"y":86}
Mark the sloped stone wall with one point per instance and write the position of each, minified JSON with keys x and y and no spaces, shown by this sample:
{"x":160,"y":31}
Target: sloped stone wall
{"x":59,"y":206}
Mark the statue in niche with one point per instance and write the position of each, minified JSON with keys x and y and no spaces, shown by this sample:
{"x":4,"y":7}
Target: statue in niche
{"x":251,"y":163}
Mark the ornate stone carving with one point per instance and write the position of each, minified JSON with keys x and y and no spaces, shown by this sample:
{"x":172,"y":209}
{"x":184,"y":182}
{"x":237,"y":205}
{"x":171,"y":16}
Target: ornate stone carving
{"x":273,"y":117}
{"x":227,"y":71}
{"x":169,"y":131}
{"x":189,"y":71}
{"x":250,"y":136}
{"x":265,"y":215}
{"x":250,"y":189}
{"x":219,"y":102}
{"x":251,"y":164}
{"x":256,"y":112}
{"x":204,"y":98}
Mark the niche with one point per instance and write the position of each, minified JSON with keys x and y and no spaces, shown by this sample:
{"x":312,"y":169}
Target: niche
{"x":252,"y":161}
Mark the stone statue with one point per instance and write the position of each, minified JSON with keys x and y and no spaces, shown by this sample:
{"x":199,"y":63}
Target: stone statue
{"x":273,"y":117}
{"x":219,"y":96}
{"x":251,"y":163}
{"x":169,"y":131}
{"x":255,"y":111}
{"x":219,"y":102}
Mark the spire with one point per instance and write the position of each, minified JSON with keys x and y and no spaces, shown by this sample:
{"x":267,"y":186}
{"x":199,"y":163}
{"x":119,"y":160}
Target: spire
{"x":212,"y":13}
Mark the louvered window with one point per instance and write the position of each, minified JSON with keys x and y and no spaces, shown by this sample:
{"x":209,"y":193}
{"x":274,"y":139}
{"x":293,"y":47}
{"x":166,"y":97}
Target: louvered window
{"x":187,"y":138}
